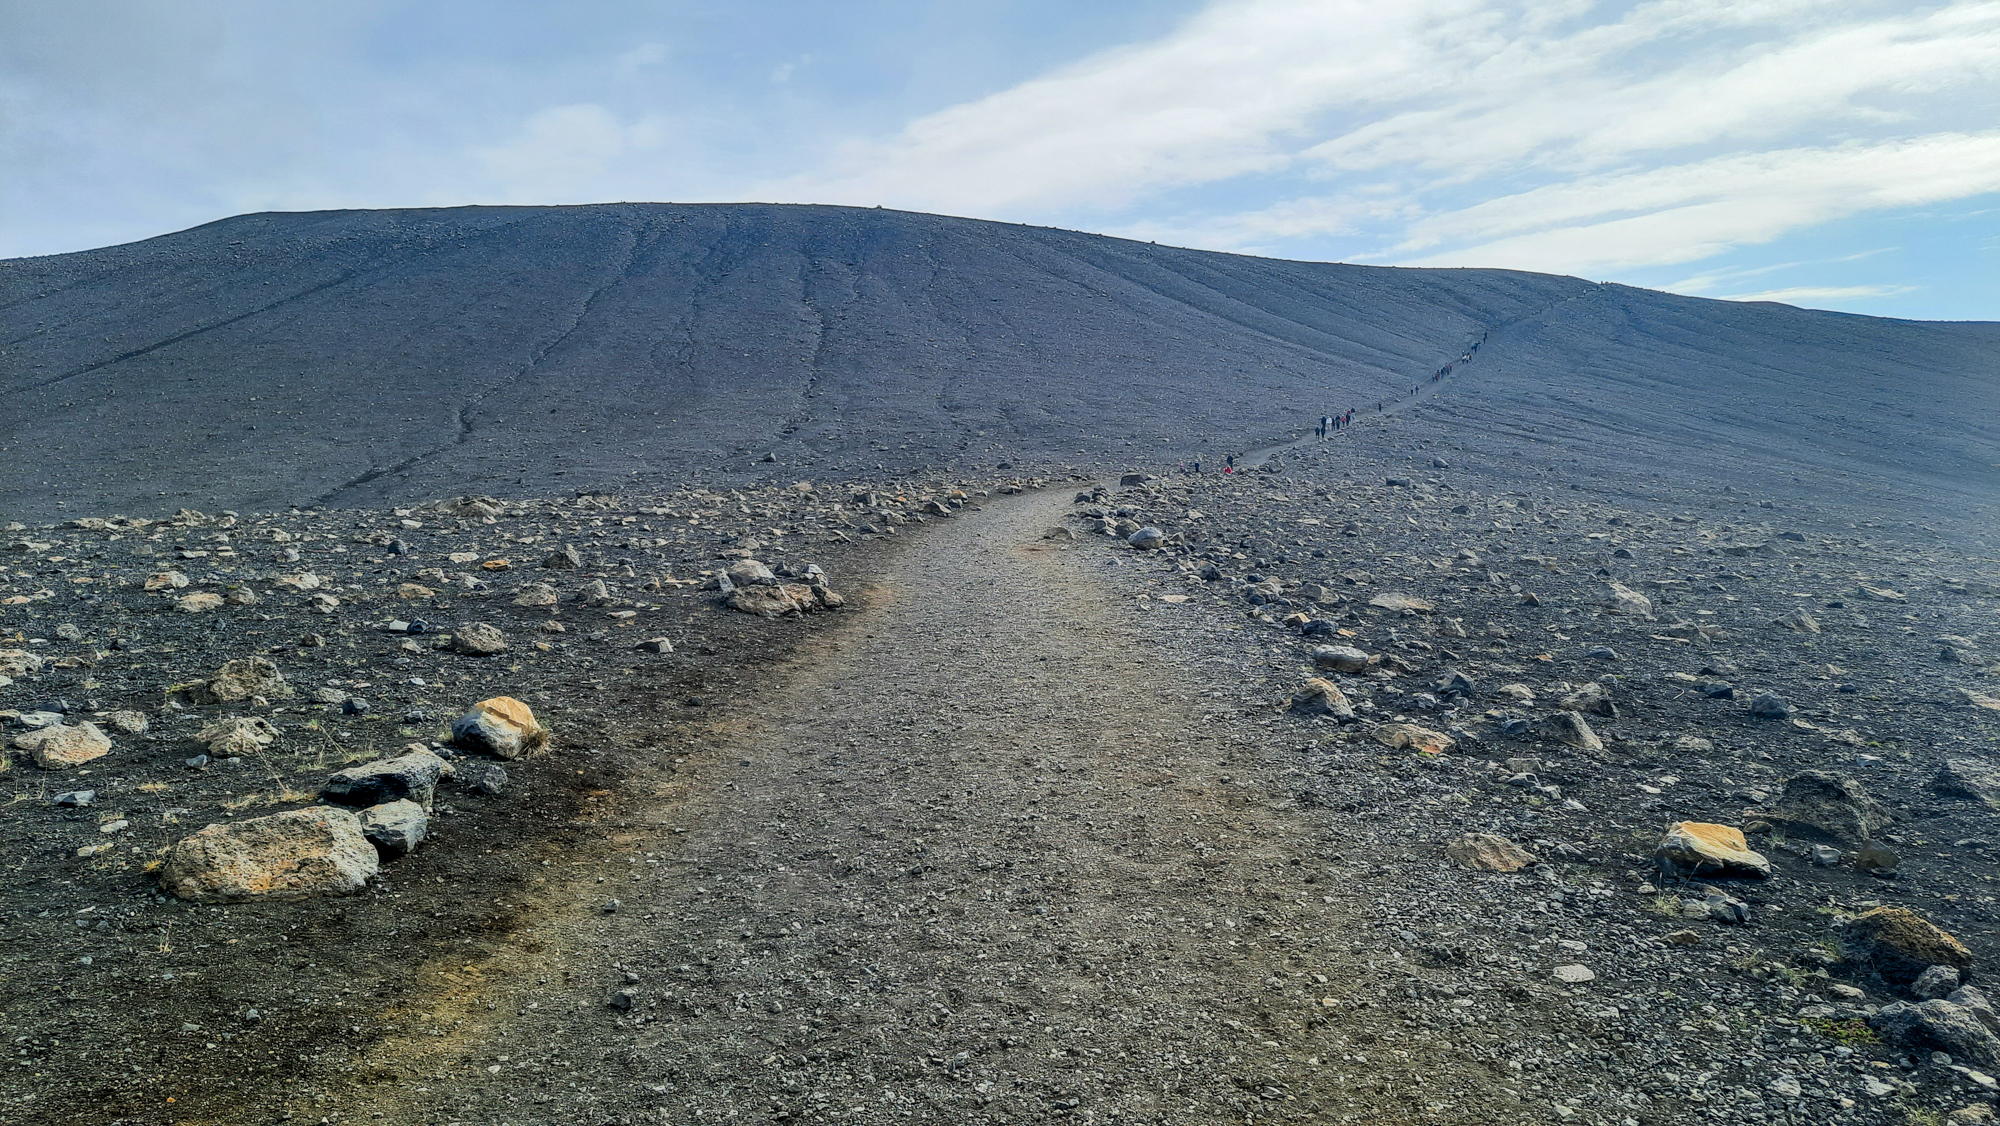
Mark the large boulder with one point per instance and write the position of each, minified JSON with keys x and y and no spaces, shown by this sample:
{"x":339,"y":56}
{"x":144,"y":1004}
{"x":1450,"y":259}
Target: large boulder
{"x":413,"y":776}
{"x":1968,"y":778}
{"x":1819,"y":801}
{"x":294,"y":855}
{"x":1901,"y":944}
{"x":237,"y":735}
{"x":502,"y":726}
{"x":783,"y":600}
{"x":62,"y":746}
{"x":1147,"y":539}
{"x":1939,"y":1026}
{"x":536,"y":594}
{"x":1699,"y":848}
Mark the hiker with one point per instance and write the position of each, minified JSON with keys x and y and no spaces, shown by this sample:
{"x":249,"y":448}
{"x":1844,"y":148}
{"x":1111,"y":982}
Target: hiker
{"x":1230,"y":463}
{"x":1197,"y":467}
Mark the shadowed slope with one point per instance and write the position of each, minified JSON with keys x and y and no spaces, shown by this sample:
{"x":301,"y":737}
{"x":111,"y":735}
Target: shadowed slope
{"x":358,"y":357}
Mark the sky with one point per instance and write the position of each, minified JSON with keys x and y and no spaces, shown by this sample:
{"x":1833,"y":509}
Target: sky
{"x":1836,"y":155}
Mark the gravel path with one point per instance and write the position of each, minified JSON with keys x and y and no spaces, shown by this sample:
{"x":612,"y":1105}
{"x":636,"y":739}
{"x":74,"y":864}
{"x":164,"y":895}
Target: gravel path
{"x":981,"y":863}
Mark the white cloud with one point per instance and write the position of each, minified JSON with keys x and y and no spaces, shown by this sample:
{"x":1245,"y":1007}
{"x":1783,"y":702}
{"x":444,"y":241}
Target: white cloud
{"x":1688,"y":212}
{"x":1448,"y":132}
{"x":1822,"y":293}
{"x":559,"y":154}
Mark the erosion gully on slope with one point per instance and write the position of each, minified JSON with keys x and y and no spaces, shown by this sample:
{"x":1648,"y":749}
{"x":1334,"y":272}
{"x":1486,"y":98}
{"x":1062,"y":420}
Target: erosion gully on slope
{"x":971,"y":865}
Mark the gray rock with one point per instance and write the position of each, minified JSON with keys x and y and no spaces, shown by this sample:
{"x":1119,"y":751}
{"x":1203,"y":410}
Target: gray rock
{"x":749,"y":572}
{"x":480,"y":776}
{"x":75,"y":799}
{"x":413,"y":776}
{"x":1147,"y":539}
{"x":62,"y":746}
{"x":478,"y":639}
{"x":1973,"y":999}
{"x":1938,"y":1026}
{"x":395,"y":828}
{"x":1770,"y":705}
{"x":1936,"y":982}
{"x":1968,"y":778}
{"x":1569,"y":727}
{"x":566,"y":559}
{"x":1340,"y":658}
{"x":1824,"y":802}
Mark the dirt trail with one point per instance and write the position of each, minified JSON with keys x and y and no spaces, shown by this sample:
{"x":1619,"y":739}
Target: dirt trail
{"x":982,"y":864}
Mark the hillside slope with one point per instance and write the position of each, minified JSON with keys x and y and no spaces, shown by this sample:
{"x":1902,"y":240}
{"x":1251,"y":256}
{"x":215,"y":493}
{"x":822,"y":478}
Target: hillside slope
{"x":366,"y":356}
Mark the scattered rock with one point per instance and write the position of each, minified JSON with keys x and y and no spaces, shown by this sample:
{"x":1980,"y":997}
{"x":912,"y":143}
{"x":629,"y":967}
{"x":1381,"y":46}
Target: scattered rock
{"x":1701,"y":848}
{"x":63,"y":746}
{"x":1569,"y":727}
{"x":536,"y":594}
{"x":1575,"y":975}
{"x":502,"y":726}
{"x":1321,"y":697}
{"x":567,"y":558}
{"x":477,"y":639}
{"x":1147,"y":539}
{"x":198,"y":602}
{"x":749,"y":572}
{"x":293,"y":855}
{"x":126,"y":721}
{"x":1880,"y":594}
{"x":1340,"y":658}
{"x":1488,"y":853}
{"x":1799,"y":621}
{"x":1409,"y":735}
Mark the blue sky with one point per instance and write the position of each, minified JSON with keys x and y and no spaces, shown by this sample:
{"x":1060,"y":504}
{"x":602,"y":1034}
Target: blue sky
{"x":1834,"y":155}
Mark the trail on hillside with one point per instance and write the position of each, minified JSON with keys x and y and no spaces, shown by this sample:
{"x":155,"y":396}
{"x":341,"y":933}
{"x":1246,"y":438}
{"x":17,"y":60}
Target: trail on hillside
{"x":983,"y":861}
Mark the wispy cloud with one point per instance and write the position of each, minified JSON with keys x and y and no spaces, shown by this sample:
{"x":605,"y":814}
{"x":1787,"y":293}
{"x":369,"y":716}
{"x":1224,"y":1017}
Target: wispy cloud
{"x":1475,"y":132}
{"x":1800,"y":293}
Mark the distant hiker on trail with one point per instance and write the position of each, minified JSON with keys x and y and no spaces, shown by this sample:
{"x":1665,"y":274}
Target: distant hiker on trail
{"x":1230,"y":467}
{"x":1197,"y":468}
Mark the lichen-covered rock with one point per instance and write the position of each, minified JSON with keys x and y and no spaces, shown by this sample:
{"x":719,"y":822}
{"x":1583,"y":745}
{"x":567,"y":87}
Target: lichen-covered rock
{"x":294,"y":855}
{"x":1621,"y":599}
{"x":19,"y":662}
{"x":502,"y":726}
{"x":1487,"y":852}
{"x":237,"y":735}
{"x":199,"y":602}
{"x":477,"y":639}
{"x":1412,"y":737}
{"x":62,"y":746}
{"x":536,"y":594}
{"x":1701,"y":848}
{"x":243,"y":678}
{"x":1901,"y":944}
{"x":1321,"y":697}
{"x":1824,"y":802}
{"x":1968,"y":778}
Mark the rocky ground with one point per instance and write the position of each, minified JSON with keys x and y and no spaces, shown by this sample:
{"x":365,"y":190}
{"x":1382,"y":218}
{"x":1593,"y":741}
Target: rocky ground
{"x":1338,"y":797}
{"x":351,"y":635}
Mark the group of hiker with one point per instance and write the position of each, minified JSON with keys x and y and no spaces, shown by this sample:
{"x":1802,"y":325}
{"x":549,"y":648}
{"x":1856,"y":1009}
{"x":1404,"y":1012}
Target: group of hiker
{"x":1332,"y":422}
{"x":1329,"y":423}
